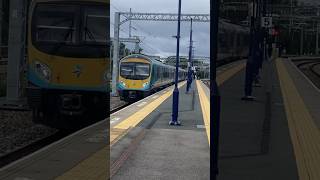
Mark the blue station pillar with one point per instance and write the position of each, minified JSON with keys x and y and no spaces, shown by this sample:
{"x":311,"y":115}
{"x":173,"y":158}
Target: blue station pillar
{"x":250,"y":65}
{"x":189,"y":80}
{"x":175,"y":103}
{"x":215,"y":99}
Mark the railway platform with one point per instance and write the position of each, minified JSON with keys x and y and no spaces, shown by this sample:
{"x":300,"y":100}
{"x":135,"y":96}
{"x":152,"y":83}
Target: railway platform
{"x":277,"y":135}
{"x":158,"y":150}
{"x":255,"y":141}
{"x":151,"y":148}
{"x":269,"y":138}
{"x":136,"y":131}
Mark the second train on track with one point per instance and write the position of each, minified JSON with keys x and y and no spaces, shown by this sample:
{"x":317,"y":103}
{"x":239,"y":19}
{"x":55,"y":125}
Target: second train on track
{"x":141,"y":75}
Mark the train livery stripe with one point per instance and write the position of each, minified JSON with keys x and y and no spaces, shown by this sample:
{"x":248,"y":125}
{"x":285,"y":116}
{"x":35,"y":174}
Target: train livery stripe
{"x":304,"y":133}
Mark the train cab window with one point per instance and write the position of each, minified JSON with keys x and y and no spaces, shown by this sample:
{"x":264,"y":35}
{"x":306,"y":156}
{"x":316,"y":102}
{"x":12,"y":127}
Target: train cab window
{"x":135,"y":71}
{"x":95,"y":25}
{"x":127,"y":69}
{"x":142,"y":70}
{"x":71,"y":30}
{"x":55,"y":23}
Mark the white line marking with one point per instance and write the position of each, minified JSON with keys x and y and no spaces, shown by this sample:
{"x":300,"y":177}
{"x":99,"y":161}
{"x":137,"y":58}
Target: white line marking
{"x":155,"y":97}
{"x":142,"y":104}
{"x":115,"y":119}
{"x":201,"y":126}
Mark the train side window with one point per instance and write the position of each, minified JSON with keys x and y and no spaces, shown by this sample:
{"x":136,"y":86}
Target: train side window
{"x":158,"y":73}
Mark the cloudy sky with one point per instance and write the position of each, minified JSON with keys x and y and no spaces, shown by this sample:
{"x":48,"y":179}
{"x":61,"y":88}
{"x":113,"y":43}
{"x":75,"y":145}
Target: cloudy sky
{"x":157,"y":36}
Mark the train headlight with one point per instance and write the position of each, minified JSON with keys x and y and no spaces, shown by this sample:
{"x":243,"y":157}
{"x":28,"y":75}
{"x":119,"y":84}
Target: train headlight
{"x":145,"y":84}
{"x":43,"y":70}
{"x":107,"y":76}
{"x":123,"y":84}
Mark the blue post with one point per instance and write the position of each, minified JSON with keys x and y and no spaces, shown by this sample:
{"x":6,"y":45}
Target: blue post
{"x":189,"y":80}
{"x":215,"y":98}
{"x":175,"y":102}
{"x":251,"y":58}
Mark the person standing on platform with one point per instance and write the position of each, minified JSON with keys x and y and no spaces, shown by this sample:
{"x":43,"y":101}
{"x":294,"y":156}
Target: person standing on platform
{"x":251,"y":70}
{"x":258,"y":65}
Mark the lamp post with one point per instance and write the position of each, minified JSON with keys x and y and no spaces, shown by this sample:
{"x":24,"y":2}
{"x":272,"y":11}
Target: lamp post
{"x":175,"y":101}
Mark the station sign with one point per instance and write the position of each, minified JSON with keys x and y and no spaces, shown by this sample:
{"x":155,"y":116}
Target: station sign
{"x":266,"y":22}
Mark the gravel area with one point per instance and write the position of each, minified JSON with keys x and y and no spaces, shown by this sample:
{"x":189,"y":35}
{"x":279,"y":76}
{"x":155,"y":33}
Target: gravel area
{"x":17,"y":130}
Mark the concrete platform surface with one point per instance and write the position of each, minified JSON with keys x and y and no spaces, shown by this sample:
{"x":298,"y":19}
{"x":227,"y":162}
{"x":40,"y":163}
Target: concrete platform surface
{"x":251,"y":145}
{"x":171,"y":152}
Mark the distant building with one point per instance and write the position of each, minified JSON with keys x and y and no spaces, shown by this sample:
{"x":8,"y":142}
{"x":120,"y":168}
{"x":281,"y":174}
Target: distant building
{"x":200,"y":63}
{"x":183,"y":63}
{"x":157,"y":58}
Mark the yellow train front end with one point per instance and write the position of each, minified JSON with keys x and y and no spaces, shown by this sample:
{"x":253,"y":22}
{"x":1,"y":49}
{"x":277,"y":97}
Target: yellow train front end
{"x":134,"y":77}
{"x":68,"y":58}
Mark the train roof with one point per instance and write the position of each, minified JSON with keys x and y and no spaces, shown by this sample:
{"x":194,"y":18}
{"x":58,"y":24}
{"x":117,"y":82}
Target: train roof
{"x":152,"y":60}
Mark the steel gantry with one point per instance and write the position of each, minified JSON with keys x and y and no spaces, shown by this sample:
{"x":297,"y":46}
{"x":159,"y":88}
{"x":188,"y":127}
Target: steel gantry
{"x":123,"y":17}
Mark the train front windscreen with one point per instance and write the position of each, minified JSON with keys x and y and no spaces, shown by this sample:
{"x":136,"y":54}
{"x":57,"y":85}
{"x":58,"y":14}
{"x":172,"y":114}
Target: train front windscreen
{"x":71,"y":30}
{"x":134,"y":71}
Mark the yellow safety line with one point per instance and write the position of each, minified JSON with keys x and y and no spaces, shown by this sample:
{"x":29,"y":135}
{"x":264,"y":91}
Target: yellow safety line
{"x":205,"y":107}
{"x":304,"y":132}
{"x":229,"y":73}
{"x":137,"y":117}
{"x":97,"y":166}
{"x":205,"y":100}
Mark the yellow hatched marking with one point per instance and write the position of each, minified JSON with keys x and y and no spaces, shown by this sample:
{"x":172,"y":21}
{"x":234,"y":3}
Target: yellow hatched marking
{"x":304,"y":133}
{"x":205,"y":107}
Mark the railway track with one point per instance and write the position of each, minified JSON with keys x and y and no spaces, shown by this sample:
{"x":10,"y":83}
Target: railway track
{"x":315,"y":69}
{"x":311,"y":68}
{"x":33,"y":146}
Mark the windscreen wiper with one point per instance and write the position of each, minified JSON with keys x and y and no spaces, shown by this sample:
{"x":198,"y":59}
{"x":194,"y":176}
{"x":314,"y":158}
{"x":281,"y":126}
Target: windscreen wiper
{"x":59,"y":45}
{"x":91,"y":36}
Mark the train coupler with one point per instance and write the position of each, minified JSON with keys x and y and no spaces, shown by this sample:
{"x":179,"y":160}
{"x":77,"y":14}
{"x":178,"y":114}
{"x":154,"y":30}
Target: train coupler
{"x":71,"y":104}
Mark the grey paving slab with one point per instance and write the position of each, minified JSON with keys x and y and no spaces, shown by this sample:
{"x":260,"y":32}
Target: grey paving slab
{"x":169,"y":152}
{"x":250,"y":147}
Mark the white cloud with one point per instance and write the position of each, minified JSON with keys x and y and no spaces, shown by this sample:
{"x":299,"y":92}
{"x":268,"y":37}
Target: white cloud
{"x":157,"y":36}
